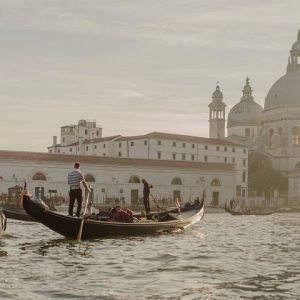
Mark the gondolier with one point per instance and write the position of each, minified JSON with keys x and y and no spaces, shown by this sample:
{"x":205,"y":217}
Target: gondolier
{"x":75,"y":177}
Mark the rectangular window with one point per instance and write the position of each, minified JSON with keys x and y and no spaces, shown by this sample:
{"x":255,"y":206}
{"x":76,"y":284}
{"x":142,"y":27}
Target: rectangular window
{"x":95,"y":146}
{"x":97,"y":133}
{"x":85,"y":131}
{"x":244,"y":151}
{"x":183,"y":145}
{"x":158,"y":143}
{"x":77,"y":148}
{"x":120,"y":145}
{"x":218,"y":148}
{"x":205,"y":147}
{"x":174,"y":144}
{"x":244,"y":176}
{"x":71,"y":149}
{"x":247,"y":131}
{"x":244,"y":162}
{"x":238,"y":190}
{"x":205,"y":158}
{"x":104,"y":145}
{"x":159,"y":155}
{"x":145,"y":143}
{"x":103,"y":154}
{"x":225,"y":159}
{"x":193,"y":146}
{"x":233,"y":160}
{"x":233,"y":149}
{"x":192,"y":157}
{"x":58,"y":151}
{"x":174,"y":156}
{"x":120,"y":154}
{"x":86,"y":148}
{"x":64,"y":139}
{"x":225,"y":149}
{"x":50,"y":151}
{"x":131,"y":144}
{"x":183,"y":156}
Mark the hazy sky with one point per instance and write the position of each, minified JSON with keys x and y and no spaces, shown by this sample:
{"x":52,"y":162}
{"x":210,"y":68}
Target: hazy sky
{"x":135,"y":66}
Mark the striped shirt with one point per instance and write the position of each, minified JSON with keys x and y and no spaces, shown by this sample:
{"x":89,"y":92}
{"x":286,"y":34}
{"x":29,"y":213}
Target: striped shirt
{"x":74,"y":179}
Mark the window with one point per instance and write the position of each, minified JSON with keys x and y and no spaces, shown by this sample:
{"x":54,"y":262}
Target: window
{"x":158,"y":143}
{"x":205,"y":147}
{"x":58,"y":150}
{"x":95,"y":146}
{"x":193,"y":146}
{"x":295,"y":136}
{"x":39,"y":176}
{"x":225,"y":159}
{"x":97,"y":133}
{"x":89,"y":178}
{"x":104,"y":145}
{"x":225,"y":149}
{"x":174,"y":144}
{"x":77,"y":148}
{"x":120,"y":145}
{"x":218,"y":148}
{"x":192,"y":157}
{"x":233,"y":160}
{"x":145,"y":143}
{"x":205,"y":158}
{"x":103,"y":154}
{"x":86,"y":148}
{"x":238,"y":190}
{"x":244,"y":162}
{"x":71,"y":149}
{"x":244,"y":151}
{"x":50,"y":151}
{"x":183,"y":156}
{"x":64,"y":139}
{"x":120,"y":154}
{"x":183,"y":145}
{"x":247,"y":131}
{"x":176,"y":181}
{"x":174,"y":156}
{"x":244,"y":176}
{"x":215,"y":182}
{"x":159,"y":155}
{"x":85,"y":132}
{"x":131,"y":144}
{"x":233,"y":149}
{"x":244,"y":193}
{"x":134,"y":179}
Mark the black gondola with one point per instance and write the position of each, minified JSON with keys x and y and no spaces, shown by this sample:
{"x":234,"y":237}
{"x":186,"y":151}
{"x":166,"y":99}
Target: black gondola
{"x":69,"y":226}
{"x":17,"y":214}
{"x":248,"y":213}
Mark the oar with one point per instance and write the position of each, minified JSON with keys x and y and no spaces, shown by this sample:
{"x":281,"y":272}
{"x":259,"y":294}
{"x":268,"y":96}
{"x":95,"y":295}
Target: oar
{"x":154,"y":199}
{"x":84,"y":212}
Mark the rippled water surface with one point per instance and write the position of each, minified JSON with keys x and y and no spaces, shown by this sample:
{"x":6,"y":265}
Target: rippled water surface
{"x":222,"y":257}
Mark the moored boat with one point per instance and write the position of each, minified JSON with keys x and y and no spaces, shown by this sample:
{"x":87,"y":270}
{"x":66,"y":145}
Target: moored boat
{"x":69,"y":226}
{"x":248,"y":212}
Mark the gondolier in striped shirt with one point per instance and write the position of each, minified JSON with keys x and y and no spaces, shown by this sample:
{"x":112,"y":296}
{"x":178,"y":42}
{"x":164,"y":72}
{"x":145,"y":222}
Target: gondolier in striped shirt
{"x":75,"y":177}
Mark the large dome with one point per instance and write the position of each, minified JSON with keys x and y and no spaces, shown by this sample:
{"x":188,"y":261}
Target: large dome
{"x":285,"y":92}
{"x":247,"y":112}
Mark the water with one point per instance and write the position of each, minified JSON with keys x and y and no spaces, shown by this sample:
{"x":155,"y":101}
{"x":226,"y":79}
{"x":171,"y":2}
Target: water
{"x":222,"y":257}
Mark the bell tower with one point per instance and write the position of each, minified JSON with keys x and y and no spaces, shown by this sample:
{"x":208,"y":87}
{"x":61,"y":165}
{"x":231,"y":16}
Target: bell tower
{"x":217,"y":115}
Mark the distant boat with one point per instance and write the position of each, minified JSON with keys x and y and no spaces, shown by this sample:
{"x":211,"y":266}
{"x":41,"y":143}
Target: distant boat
{"x":249,"y":212}
{"x":69,"y":226}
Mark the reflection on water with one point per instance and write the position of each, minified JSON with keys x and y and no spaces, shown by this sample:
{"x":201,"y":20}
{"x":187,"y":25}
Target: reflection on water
{"x":224,"y":257}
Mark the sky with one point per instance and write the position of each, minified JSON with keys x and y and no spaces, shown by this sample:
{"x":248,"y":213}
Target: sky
{"x":134,"y":66}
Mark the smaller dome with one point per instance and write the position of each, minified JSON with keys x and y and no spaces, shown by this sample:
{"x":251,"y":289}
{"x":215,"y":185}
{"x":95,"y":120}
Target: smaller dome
{"x":82,"y":122}
{"x":217,"y":94}
{"x":247,"y":112}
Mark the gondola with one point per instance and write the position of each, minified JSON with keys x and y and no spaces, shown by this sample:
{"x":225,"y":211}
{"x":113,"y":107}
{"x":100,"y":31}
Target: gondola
{"x":248,"y":213}
{"x":69,"y":226}
{"x":17,"y":214}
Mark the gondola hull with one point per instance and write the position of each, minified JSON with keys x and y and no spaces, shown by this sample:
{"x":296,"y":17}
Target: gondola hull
{"x":69,"y":226}
{"x":17,"y":214}
{"x":250,"y":213}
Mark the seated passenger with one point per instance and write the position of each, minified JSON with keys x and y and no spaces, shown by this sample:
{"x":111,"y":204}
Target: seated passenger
{"x":120,"y":215}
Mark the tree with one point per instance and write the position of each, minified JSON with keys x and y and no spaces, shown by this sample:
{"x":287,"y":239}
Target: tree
{"x":262,"y":177}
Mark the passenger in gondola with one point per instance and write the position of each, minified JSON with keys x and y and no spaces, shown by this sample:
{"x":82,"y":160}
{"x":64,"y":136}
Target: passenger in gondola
{"x":120,"y":215}
{"x":146,"y":193}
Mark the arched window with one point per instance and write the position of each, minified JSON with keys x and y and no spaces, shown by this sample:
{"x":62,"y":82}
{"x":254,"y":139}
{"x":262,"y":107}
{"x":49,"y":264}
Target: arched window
{"x":176,"y":181}
{"x":39,"y":176}
{"x":215,"y":182}
{"x":134,"y":179}
{"x":295,"y":136}
{"x":297,"y":167}
{"x":271,"y":132}
{"x":89,"y":178}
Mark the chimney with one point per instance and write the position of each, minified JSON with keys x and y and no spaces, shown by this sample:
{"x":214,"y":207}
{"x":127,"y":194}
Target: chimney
{"x":54,"y":140}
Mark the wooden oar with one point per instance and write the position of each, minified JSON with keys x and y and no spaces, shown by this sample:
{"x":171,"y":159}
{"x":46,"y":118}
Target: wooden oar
{"x":84,"y":212}
{"x":154,"y":199}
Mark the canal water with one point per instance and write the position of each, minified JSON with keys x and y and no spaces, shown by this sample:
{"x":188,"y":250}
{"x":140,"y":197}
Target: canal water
{"x":222,"y":257}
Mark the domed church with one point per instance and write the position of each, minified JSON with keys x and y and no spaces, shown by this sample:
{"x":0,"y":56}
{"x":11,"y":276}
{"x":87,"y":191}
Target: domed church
{"x":274,"y":130}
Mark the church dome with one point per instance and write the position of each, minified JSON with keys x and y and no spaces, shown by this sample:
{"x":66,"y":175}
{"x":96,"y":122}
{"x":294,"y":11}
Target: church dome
{"x":285,"y":92}
{"x":247,"y":112}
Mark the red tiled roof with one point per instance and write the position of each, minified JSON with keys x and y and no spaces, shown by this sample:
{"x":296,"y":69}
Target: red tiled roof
{"x":48,"y":157}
